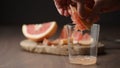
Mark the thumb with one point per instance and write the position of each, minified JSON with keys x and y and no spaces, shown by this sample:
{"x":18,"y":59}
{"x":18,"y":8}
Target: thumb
{"x":81,"y":9}
{"x":95,"y":12}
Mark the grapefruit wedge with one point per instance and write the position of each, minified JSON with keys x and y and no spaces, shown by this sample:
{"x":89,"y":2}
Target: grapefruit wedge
{"x":77,"y":36}
{"x":80,"y":23}
{"x":83,"y":39}
{"x":63,"y":34}
{"x":37,"y":32}
{"x":86,"y":39}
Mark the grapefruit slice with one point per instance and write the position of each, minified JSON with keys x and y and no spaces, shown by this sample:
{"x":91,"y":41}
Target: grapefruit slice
{"x":80,"y":38}
{"x":76,"y":19}
{"x":50,"y":42}
{"x":38,"y":32}
{"x":63,"y":34}
{"x":80,"y":23}
{"x":86,"y":39}
{"x":76,"y":35}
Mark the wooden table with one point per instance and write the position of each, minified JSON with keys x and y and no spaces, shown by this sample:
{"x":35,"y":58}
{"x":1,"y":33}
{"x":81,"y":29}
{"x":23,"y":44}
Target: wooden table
{"x":12,"y":55}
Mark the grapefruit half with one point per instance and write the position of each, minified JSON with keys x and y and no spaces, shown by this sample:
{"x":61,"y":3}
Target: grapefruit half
{"x":37,"y":32}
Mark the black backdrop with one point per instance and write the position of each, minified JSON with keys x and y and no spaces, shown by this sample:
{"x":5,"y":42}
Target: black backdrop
{"x":16,"y":12}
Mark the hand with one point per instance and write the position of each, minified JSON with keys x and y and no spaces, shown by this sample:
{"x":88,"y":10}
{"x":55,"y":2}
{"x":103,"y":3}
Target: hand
{"x":62,"y":6}
{"x":97,"y":7}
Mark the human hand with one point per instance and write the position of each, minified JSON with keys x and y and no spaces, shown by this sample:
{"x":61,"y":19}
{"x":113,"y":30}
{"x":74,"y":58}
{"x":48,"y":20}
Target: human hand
{"x":97,"y":7}
{"x":62,"y":6}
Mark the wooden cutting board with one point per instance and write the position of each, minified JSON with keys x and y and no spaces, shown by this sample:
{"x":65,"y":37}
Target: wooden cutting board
{"x":35,"y":47}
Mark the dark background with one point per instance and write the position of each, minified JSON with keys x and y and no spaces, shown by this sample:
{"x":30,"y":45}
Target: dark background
{"x":18,"y":12}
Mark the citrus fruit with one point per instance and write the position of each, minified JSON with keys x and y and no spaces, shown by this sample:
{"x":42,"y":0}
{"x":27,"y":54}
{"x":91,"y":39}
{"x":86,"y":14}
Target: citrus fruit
{"x":77,"y":19}
{"x":77,"y":36}
{"x":86,"y":39}
{"x":50,"y":42}
{"x":38,"y":32}
{"x":81,"y":24}
{"x":63,"y":34}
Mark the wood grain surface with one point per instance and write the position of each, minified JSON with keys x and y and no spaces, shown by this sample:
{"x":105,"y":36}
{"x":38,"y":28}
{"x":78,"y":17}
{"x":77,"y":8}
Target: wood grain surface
{"x":12,"y":55}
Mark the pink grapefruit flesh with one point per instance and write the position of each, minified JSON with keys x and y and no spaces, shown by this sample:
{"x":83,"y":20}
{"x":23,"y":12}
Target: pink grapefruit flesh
{"x":38,"y":32}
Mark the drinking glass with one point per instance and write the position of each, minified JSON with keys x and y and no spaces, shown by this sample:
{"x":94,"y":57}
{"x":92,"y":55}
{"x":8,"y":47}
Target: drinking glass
{"x":82,"y":45}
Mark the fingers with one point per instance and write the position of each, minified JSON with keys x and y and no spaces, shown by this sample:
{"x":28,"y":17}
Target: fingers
{"x":57,"y":5}
{"x":63,"y":12}
{"x":62,"y":7}
{"x":66,"y":13}
{"x":94,"y":14}
{"x":81,"y":8}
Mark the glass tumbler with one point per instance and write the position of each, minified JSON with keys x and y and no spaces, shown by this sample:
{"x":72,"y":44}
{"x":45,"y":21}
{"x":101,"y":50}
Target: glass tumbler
{"x":82,"y":45}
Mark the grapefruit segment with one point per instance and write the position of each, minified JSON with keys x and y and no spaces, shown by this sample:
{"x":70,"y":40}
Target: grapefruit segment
{"x":76,"y":35}
{"x":63,"y":42}
{"x":50,"y":42}
{"x":63,"y":34}
{"x":80,"y":23}
{"x":86,"y":39}
{"x":38,"y":32}
{"x":80,"y":38}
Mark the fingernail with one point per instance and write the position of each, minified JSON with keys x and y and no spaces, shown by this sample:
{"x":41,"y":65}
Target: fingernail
{"x":66,"y":13}
{"x":60,"y":11}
